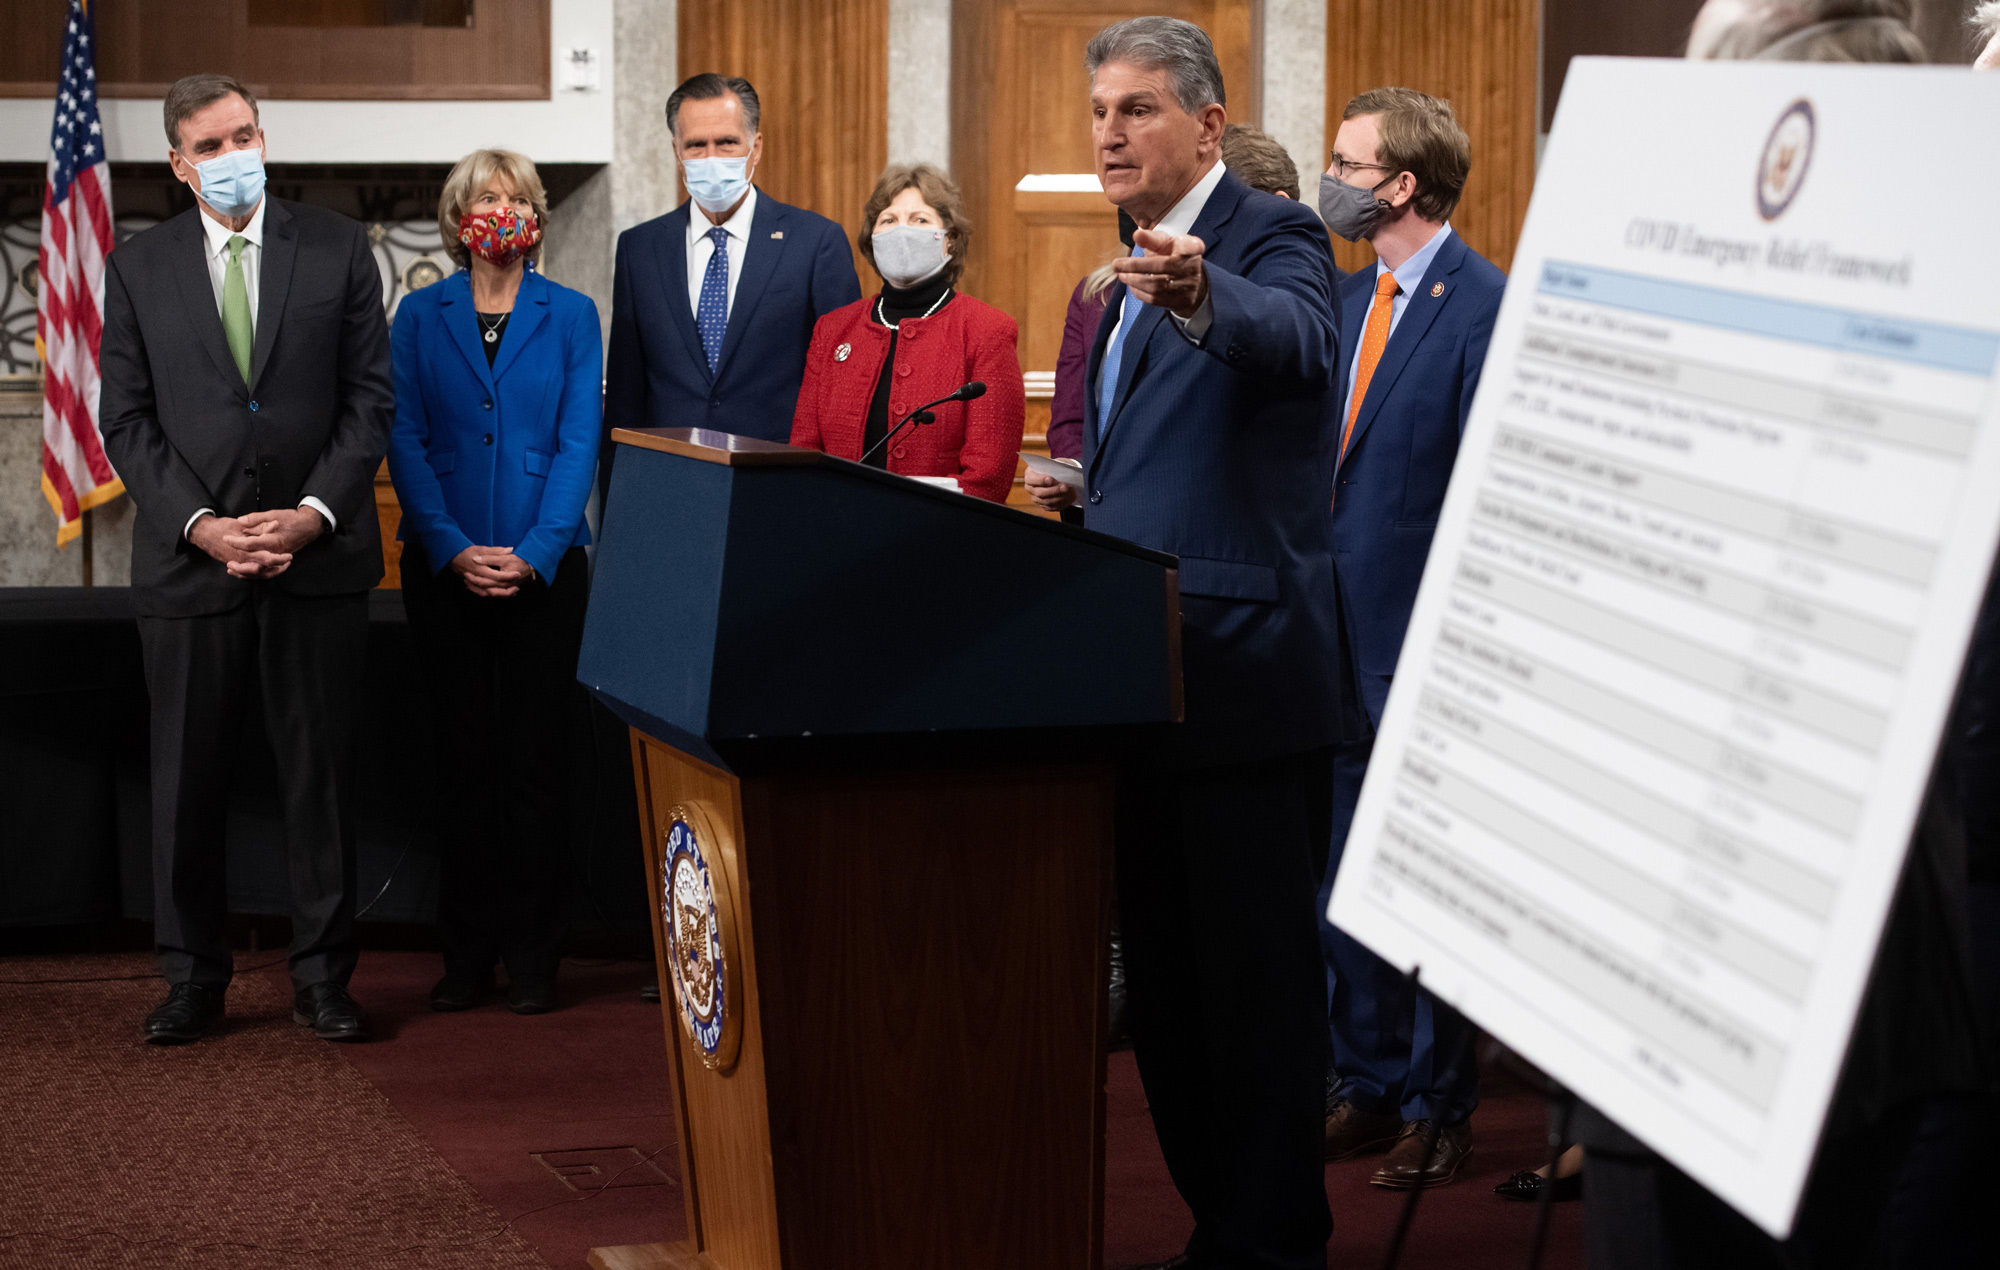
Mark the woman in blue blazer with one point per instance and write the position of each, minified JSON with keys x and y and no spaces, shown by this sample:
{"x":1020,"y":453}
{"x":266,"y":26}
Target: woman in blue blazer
{"x":499,"y":397}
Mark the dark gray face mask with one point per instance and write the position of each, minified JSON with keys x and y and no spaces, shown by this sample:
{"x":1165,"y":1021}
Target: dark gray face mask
{"x":1352,"y":211}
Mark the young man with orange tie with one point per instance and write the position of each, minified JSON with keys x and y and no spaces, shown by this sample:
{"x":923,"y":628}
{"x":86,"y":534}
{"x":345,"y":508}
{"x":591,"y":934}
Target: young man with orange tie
{"x":1418,"y":324}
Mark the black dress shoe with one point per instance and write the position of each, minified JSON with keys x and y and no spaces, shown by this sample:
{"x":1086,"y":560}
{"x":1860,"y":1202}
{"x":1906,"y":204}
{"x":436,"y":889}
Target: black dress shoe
{"x":330,"y":1013}
{"x":457,"y":992}
{"x":1527,"y":1185}
{"x":1179,"y":1261}
{"x":536,"y":995}
{"x":1404,"y":1169}
{"x":188,"y":1013}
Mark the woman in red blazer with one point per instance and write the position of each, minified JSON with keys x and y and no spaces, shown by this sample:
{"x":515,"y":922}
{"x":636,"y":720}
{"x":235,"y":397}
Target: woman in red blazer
{"x":876,"y":360}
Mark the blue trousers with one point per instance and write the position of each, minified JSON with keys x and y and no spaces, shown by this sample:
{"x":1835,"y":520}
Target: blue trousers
{"x":1396,"y":1049}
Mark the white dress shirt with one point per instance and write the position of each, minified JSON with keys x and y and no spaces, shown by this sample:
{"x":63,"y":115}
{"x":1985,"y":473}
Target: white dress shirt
{"x":701,"y":250}
{"x":216,"y":236}
{"x":1409,"y":276}
{"x":1178,"y":221}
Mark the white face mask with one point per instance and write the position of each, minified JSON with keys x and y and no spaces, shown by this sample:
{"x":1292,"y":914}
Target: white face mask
{"x":716,"y":184}
{"x":908,"y":254}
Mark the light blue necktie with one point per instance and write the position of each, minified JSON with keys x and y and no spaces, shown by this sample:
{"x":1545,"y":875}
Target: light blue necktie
{"x":1114,"y":352}
{"x":711,"y":316}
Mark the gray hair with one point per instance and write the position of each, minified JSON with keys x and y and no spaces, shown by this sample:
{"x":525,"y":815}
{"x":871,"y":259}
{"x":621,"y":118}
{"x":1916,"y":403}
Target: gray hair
{"x":1805,"y":31}
{"x":192,"y":93}
{"x":1985,"y":20}
{"x":708,"y":86}
{"x":1182,"y":49}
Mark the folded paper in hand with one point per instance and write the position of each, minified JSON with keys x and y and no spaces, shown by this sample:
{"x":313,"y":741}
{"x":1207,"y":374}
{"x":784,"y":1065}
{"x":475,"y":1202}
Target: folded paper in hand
{"x":1062,"y":470}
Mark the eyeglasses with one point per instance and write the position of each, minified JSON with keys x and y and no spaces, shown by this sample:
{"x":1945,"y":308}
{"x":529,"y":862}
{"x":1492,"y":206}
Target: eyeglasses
{"x":1341,"y":167}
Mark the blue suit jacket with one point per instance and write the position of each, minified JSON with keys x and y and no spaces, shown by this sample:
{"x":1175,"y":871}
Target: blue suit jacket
{"x":1223,"y":455}
{"x":498,"y":457}
{"x":1399,"y":459}
{"x":796,"y":269}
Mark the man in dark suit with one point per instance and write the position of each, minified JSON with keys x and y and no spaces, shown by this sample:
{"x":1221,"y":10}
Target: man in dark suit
{"x":1417,"y":325}
{"x":1206,"y":434}
{"x":714,"y":303}
{"x":246,"y":404}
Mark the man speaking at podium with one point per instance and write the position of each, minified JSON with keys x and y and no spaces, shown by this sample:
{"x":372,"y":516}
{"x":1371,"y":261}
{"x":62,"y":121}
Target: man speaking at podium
{"x":1206,"y":434}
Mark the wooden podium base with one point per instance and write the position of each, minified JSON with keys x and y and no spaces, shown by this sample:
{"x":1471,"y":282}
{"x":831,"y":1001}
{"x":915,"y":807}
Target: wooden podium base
{"x":649,"y":1257}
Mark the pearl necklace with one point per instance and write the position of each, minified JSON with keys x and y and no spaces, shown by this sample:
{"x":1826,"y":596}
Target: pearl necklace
{"x":898,"y":326}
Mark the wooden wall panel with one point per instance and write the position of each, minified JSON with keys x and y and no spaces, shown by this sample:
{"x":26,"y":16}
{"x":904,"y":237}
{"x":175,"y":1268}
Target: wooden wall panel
{"x":1478,"y":54}
{"x":821,"y":69}
{"x":1021,"y":104}
{"x":144,"y":47}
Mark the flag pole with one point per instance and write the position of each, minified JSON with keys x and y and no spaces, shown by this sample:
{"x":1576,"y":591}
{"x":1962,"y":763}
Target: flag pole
{"x":89,"y":549}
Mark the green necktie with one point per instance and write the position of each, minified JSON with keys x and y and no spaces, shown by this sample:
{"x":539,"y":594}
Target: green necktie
{"x":236,"y":325}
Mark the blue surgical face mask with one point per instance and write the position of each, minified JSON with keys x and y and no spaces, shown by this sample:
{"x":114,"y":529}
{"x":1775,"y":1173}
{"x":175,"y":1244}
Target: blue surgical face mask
{"x":716,"y":184}
{"x":232,"y":183}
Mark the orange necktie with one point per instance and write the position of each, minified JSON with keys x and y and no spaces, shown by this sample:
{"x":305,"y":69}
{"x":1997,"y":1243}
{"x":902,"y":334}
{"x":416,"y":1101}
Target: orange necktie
{"x":1374,"y":337}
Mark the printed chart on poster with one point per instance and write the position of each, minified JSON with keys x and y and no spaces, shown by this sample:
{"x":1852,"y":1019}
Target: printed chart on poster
{"x":1720,"y":524}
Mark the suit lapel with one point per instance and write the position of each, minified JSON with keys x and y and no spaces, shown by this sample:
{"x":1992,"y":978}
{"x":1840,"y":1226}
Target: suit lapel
{"x":1424,"y":308}
{"x":198,"y":296}
{"x":531,"y":309}
{"x":274,"y":283}
{"x":760,"y":263}
{"x":672,"y":262}
{"x":456,"y":310}
{"x":1208,"y":227}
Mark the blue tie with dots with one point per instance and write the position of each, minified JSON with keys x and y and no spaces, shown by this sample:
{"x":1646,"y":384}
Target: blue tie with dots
{"x":712,"y":314}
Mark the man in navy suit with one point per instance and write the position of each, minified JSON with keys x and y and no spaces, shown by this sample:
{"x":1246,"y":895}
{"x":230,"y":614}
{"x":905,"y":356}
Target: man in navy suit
{"x":1207,"y":433}
{"x":714,"y":303}
{"x":1417,"y":326}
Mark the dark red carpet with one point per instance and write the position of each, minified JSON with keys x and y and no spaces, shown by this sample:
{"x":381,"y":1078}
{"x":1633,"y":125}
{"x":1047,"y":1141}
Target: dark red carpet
{"x":561,"y":1123}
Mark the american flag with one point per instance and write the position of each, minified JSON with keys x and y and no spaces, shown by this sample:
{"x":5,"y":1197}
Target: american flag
{"x":69,"y":309}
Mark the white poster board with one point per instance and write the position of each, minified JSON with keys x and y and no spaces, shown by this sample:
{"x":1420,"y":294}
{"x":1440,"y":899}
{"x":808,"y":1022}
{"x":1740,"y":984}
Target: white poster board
{"x":1699,"y":595}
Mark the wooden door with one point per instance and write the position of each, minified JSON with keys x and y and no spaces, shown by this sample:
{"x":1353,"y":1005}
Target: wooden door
{"x":1477,"y":54}
{"x":1021,"y":104}
{"x":821,"y":70}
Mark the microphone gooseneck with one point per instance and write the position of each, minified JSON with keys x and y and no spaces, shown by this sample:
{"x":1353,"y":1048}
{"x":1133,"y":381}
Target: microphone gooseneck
{"x":922,"y":414}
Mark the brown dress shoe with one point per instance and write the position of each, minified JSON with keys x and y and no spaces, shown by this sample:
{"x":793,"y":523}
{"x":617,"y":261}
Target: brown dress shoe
{"x":1350,"y":1131}
{"x":1404,"y":1169}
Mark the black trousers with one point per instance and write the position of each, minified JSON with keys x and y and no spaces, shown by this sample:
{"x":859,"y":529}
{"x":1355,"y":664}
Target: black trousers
{"x":503,"y":677}
{"x":306,"y":655}
{"x":1217,"y":870}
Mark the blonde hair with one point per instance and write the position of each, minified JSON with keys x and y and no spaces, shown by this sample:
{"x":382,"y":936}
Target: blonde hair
{"x":469,"y":176}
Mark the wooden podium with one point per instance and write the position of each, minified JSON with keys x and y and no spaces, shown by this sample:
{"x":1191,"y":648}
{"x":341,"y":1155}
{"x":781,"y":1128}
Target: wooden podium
{"x":873,"y":731}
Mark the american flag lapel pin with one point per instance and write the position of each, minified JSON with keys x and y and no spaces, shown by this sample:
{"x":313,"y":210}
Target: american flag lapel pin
{"x":777,"y":233}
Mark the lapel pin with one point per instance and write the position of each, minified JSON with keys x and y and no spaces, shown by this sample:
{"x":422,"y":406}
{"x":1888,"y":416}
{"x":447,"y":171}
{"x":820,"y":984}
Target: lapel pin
{"x":777,"y":233}
{"x":840,"y":354}
{"x":1437,"y":289}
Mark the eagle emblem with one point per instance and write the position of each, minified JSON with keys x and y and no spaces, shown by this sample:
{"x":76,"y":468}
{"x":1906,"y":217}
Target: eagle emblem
{"x":1787,"y":154}
{"x":692,"y":926}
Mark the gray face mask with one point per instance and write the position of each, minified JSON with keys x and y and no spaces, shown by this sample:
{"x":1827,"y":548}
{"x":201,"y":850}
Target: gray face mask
{"x":1352,"y":211}
{"x":908,"y":254}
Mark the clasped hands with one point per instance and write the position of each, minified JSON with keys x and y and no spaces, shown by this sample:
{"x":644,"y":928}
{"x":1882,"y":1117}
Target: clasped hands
{"x":260,"y":545}
{"x":492,"y":572}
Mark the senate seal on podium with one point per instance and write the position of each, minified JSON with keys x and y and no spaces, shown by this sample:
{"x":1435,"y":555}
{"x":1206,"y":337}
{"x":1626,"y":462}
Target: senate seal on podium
{"x":697,"y":918}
